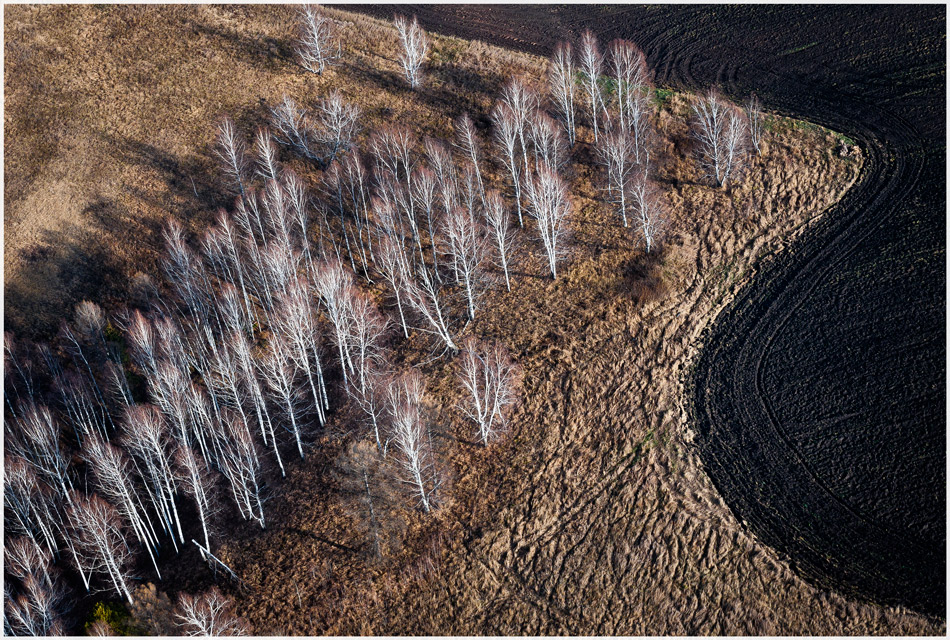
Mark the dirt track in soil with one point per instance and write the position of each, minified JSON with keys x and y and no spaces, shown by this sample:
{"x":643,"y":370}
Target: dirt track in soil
{"x":819,"y":397}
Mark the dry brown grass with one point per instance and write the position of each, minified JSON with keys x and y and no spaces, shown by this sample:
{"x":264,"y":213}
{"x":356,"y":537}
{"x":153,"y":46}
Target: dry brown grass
{"x":594,"y":516}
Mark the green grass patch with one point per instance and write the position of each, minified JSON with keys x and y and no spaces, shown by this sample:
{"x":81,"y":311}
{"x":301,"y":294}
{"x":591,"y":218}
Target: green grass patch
{"x":116,"y":616}
{"x":798,"y":49}
{"x":662,"y":96}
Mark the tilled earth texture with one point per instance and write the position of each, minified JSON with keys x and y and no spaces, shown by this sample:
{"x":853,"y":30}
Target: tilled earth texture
{"x":818,"y":399}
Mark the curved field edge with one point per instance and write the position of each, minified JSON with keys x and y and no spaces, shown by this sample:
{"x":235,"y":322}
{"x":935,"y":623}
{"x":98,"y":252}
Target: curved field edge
{"x":636,"y":540}
{"x":768,"y":481}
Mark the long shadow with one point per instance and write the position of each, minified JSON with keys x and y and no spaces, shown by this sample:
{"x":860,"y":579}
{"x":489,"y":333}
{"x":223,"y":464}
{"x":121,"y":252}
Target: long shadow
{"x":192,"y":185}
{"x":261,"y":49}
{"x":65,"y":266}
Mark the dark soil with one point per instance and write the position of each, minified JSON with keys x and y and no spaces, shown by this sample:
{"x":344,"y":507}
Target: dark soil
{"x":820,"y":394}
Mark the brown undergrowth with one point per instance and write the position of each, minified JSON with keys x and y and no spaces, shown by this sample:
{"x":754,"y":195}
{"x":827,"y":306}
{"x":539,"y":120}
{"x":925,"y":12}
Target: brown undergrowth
{"x":593,"y":516}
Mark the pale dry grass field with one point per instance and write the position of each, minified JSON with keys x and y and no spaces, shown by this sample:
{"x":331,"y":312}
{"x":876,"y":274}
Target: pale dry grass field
{"x":594,"y":516}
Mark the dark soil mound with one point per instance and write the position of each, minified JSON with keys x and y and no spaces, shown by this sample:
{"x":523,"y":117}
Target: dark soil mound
{"x":820,"y":394}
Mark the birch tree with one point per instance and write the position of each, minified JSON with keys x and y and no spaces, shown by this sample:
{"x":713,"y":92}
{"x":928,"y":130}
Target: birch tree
{"x":424,"y":192}
{"x":240,"y":464}
{"x":592,"y":67}
{"x":465,"y":239}
{"x":112,"y":476}
{"x":337,"y":124}
{"x":414,"y":48}
{"x":498,"y":222}
{"x":631,"y":76}
{"x":296,"y":320}
{"x":410,"y":438}
{"x":268,"y":167}
{"x":720,"y":133}
{"x":615,"y":152}
{"x":507,"y":135}
{"x":195,"y":480}
{"x":278,"y":373}
{"x":37,"y":609}
{"x":650,"y":209}
{"x":147,"y":440}
{"x":551,"y":207}
{"x":31,"y":508}
{"x":210,"y":614}
{"x":292,"y":128}
{"x":561,"y":84}
{"x":35,"y":437}
{"x":490,"y":379}
{"x":232,"y":152}
{"x":365,"y":329}
{"x":318,"y":44}
{"x":468,"y":144}
{"x":332,"y":283}
{"x":395,"y":270}
{"x":424,"y":295}
{"x":547,"y":141}
{"x":100,"y":542}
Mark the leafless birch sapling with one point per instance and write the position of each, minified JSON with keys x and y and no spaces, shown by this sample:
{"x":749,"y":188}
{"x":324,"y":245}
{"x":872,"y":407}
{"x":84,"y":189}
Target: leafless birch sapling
{"x":592,"y":66}
{"x":468,"y":144}
{"x":318,"y":44}
{"x":414,"y":48}
{"x":232,"y":152}
{"x":720,"y":132}
{"x":507,"y":141}
{"x":561,"y":73}
{"x":410,"y":437}
{"x":337,"y":121}
{"x":112,"y":476}
{"x":194,"y":479}
{"x":615,"y":152}
{"x":100,"y":543}
{"x":147,"y":440}
{"x":498,"y":221}
{"x":490,"y":379}
{"x":210,"y":614}
{"x":292,"y":128}
{"x":279,"y":374}
{"x":649,"y":206}
{"x":550,"y":206}
{"x":465,"y":240}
